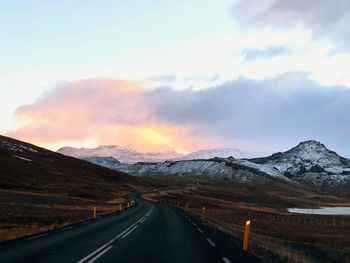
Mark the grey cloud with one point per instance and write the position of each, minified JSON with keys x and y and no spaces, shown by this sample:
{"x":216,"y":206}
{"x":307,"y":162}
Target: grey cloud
{"x":287,"y":109}
{"x":326,"y":18}
{"x":254,"y":53}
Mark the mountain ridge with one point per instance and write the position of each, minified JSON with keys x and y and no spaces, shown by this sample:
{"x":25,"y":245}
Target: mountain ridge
{"x":309,"y":164}
{"x":129,"y":155}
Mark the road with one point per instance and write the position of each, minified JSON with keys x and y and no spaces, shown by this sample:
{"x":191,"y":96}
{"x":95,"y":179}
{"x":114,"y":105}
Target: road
{"x":147,"y":232}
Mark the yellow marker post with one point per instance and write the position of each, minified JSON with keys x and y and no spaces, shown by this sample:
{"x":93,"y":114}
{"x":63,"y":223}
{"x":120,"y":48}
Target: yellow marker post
{"x":120,"y":207}
{"x":203,"y":213}
{"x":246,"y":235}
{"x":94,"y":212}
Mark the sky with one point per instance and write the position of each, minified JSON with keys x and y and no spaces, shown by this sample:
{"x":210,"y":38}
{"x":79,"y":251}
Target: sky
{"x":187,"y":75}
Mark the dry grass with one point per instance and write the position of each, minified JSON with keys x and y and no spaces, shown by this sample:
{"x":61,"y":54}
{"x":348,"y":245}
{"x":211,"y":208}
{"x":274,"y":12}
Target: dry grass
{"x":294,"y":238}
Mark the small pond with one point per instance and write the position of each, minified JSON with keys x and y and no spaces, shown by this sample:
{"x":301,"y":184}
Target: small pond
{"x":321,"y":211}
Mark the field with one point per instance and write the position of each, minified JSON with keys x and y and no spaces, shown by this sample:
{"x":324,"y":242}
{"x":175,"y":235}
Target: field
{"x":41,"y":190}
{"x":275,"y":231}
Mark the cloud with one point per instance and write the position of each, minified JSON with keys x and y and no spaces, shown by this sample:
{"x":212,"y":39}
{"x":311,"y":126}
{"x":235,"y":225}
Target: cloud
{"x":325,"y":18}
{"x":254,"y":53}
{"x":272,"y":113}
{"x":278,"y":111}
{"x":106,"y":111}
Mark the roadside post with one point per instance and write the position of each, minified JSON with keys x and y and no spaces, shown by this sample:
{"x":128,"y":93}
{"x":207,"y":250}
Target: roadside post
{"x":203,"y":213}
{"x":120,"y":207}
{"x":246,"y":235}
{"x":94,"y":212}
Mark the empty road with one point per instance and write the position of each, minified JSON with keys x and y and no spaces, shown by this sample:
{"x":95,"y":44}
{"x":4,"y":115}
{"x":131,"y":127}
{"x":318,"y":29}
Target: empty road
{"x":147,"y":232}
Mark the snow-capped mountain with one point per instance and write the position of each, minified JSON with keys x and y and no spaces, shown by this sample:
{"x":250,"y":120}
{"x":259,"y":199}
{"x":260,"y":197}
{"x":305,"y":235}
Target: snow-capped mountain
{"x":309,"y":163}
{"x":221,"y":153}
{"x":129,"y":155}
{"x":122,"y":154}
{"x":216,"y":168}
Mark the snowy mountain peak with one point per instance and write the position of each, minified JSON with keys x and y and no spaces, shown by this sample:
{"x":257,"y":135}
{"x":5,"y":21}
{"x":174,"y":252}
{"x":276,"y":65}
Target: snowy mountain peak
{"x":310,"y":145}
{"x":307,"y":157}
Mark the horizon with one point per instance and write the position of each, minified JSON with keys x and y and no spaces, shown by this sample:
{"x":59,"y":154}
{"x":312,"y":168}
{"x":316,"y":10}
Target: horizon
{"x":236,"y":74}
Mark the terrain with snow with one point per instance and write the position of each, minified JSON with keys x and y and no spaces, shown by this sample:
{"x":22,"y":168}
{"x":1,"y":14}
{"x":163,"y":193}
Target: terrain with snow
{"x":309,"y":163}
{"x":129,"y":155}
{"x":122,"y":154}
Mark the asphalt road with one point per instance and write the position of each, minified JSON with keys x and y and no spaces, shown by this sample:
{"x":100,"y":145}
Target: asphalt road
{"x":147,"y":232}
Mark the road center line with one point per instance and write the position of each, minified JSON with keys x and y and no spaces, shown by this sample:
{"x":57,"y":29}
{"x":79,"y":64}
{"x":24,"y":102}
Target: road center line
{"x":34,"y":237}
{"x":99,"y":255}
{"x":132,"y":229}
{"x":200,"y":230}
{"x":226,"y":260}
{"x":210,"y":242}
{"x":109,"y":242}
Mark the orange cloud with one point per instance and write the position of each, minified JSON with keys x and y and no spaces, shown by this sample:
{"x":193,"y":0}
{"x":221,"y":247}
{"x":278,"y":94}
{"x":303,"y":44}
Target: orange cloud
{"x":102,"y":111}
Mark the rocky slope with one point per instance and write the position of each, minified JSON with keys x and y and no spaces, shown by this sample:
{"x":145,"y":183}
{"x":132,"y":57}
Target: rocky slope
{"x":309,"y":163}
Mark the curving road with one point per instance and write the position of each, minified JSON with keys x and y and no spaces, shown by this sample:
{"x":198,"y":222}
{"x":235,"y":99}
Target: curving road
{"x":147,"y":232}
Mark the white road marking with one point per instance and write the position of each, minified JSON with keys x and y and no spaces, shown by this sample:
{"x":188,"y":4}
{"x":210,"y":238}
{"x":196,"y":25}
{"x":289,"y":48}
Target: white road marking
{"x":210,"y":242}
{"x":143,"y":220}
{"x":126,"y":234}
{"x":194,"y":224}
{"x":200,"y":230}
{"x":226,"y":260}
{"x":34,"y":237}
{"x":99,"y":255}
{"x":112,"y":240}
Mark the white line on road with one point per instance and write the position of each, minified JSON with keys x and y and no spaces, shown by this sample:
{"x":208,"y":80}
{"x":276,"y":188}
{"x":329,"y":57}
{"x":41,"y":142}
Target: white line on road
{"x":200,"y":230}
{"x":132,"y":229}
{"x":194,"y":224}
{"x":99,"y":255}
{"x":109,"y":242}
{"x":210,"y":242}
{"x":143,"y":220}
{"x":34,"y":237}
{"x":226,"y":260}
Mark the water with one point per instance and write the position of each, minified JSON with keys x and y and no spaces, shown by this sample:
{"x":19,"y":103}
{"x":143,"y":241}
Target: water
{"x":321,"y":211}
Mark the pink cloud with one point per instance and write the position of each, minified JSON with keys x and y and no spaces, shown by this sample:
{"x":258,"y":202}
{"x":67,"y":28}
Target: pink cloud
{"x":107,"y":111}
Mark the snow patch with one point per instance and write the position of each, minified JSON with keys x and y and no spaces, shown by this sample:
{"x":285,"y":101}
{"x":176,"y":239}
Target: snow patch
{"x":22,"y":158}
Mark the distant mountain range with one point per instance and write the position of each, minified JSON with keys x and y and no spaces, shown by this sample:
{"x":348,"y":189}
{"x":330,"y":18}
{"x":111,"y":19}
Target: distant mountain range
{"x":309,"y":164}
{"x":129,"y":155}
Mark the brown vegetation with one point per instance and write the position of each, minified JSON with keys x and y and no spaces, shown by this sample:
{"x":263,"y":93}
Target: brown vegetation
{"x":294,"y":237}
{"x":41,"y":190}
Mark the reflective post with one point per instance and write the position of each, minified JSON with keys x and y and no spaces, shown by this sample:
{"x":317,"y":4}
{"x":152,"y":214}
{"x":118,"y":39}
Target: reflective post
{"x":246,"y":235}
